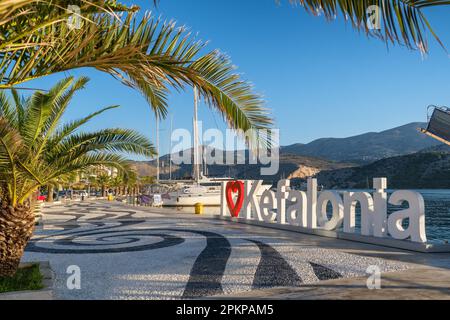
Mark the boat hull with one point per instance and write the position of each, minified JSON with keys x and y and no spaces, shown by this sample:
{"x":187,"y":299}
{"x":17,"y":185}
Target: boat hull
{"x":187,"y":200}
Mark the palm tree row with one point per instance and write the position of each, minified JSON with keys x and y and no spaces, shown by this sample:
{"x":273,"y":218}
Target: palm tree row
{"x":120,"y":183}
{"x":37,"y":150}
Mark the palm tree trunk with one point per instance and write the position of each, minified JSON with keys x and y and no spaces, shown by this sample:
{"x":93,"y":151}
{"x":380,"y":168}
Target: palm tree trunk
{"x":16,"y":228}
{"x":50,"y":189}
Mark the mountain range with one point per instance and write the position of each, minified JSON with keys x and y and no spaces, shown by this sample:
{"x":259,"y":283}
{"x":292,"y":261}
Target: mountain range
{"x":421,"y":170}
{"x":367,"y":147}
{"x":290,"y":166}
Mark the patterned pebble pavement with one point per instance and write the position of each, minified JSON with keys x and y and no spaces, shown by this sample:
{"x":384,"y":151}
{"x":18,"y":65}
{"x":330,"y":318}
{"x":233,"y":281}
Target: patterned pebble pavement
{"x":127,"y":253}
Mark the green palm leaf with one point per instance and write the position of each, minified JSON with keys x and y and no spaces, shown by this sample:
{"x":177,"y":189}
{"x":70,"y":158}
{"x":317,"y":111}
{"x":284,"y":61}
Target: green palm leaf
{"x":6,"y":110}
{"x":402,"y":21}
{"x":148,"y":55}
{"x":68,"y":128}
{"x":91,"y":160}
{"x":11,"y":145}
{"x":111,"y":140}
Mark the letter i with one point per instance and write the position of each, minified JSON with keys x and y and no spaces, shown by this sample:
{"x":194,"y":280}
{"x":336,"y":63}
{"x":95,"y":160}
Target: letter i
{"x":312,"y":203}
{"x":379,"y":221}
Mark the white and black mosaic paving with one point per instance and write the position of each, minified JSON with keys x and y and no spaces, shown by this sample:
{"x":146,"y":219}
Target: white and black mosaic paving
{"x":127,"y":253}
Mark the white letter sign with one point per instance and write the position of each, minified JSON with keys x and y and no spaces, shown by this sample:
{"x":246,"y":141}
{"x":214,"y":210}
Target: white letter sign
{"x":309,"y":209}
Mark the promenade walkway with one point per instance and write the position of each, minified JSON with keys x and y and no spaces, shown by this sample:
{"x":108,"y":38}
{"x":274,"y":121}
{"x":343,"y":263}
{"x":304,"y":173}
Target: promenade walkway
{"x":126,"y":252}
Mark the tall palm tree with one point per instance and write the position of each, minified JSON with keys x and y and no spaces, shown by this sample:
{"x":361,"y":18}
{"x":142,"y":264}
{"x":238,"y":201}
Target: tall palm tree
{"x":147,"y":54}
{"x":35,"y":150}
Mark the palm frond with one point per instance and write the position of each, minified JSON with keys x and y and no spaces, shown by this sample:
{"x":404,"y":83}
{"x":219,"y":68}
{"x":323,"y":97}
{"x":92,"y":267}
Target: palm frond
{"x":233,"y":97}
{"x":6,"y":109}
{"x":10,"y":143}
{"x":39,"y":111}
{"x":21,"y":18}
{"x":111,"y":140}
{"x":19,"y":103}
{"x":58,"y":107}
{"x":148,"y":52}
{"x":68,"y":128}
{"x":9,"y":8}
{"x":150,"y":55}
{"x":95,"y":159}
{"x":401,"y":21}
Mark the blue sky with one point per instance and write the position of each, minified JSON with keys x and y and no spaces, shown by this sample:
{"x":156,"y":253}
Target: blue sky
{"x":320,"y":79}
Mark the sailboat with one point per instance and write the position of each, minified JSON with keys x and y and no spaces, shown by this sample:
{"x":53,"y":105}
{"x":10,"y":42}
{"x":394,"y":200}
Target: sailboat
{"x":201,"y":189}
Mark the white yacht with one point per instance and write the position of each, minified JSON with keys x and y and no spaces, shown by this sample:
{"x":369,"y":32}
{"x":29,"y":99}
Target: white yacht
{"x":201,"y":189}
{"x":205,"y":191}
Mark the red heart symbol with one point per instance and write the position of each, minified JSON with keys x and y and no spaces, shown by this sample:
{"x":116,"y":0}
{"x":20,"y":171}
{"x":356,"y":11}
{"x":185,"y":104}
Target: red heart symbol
{"x":233,"y":187}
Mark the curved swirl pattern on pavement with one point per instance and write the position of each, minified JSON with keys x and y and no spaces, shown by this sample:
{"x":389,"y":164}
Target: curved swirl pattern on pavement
{"x":134,"y":253}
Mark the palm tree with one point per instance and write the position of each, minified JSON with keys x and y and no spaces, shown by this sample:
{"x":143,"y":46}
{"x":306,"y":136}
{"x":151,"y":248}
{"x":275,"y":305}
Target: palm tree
{"x":50,"y":191}
{"x":104,"y":181}
{"x":35,"y":150}
{"x":146,"y":180}
{"x":147,"y":54}
{"x":116,"y":184}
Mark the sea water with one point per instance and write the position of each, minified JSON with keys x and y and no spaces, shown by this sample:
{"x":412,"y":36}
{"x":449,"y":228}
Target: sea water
{"x":437,"y":213}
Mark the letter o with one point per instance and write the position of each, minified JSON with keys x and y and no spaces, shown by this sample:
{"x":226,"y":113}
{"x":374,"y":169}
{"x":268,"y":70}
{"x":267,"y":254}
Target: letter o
{"x":338,"y":210}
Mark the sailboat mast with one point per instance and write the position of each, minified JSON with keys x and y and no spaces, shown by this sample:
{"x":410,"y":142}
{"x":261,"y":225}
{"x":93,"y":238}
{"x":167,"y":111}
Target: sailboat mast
{"x":157,"y":149}
{"x":170,"y":143}
{"x":196,"y":166}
